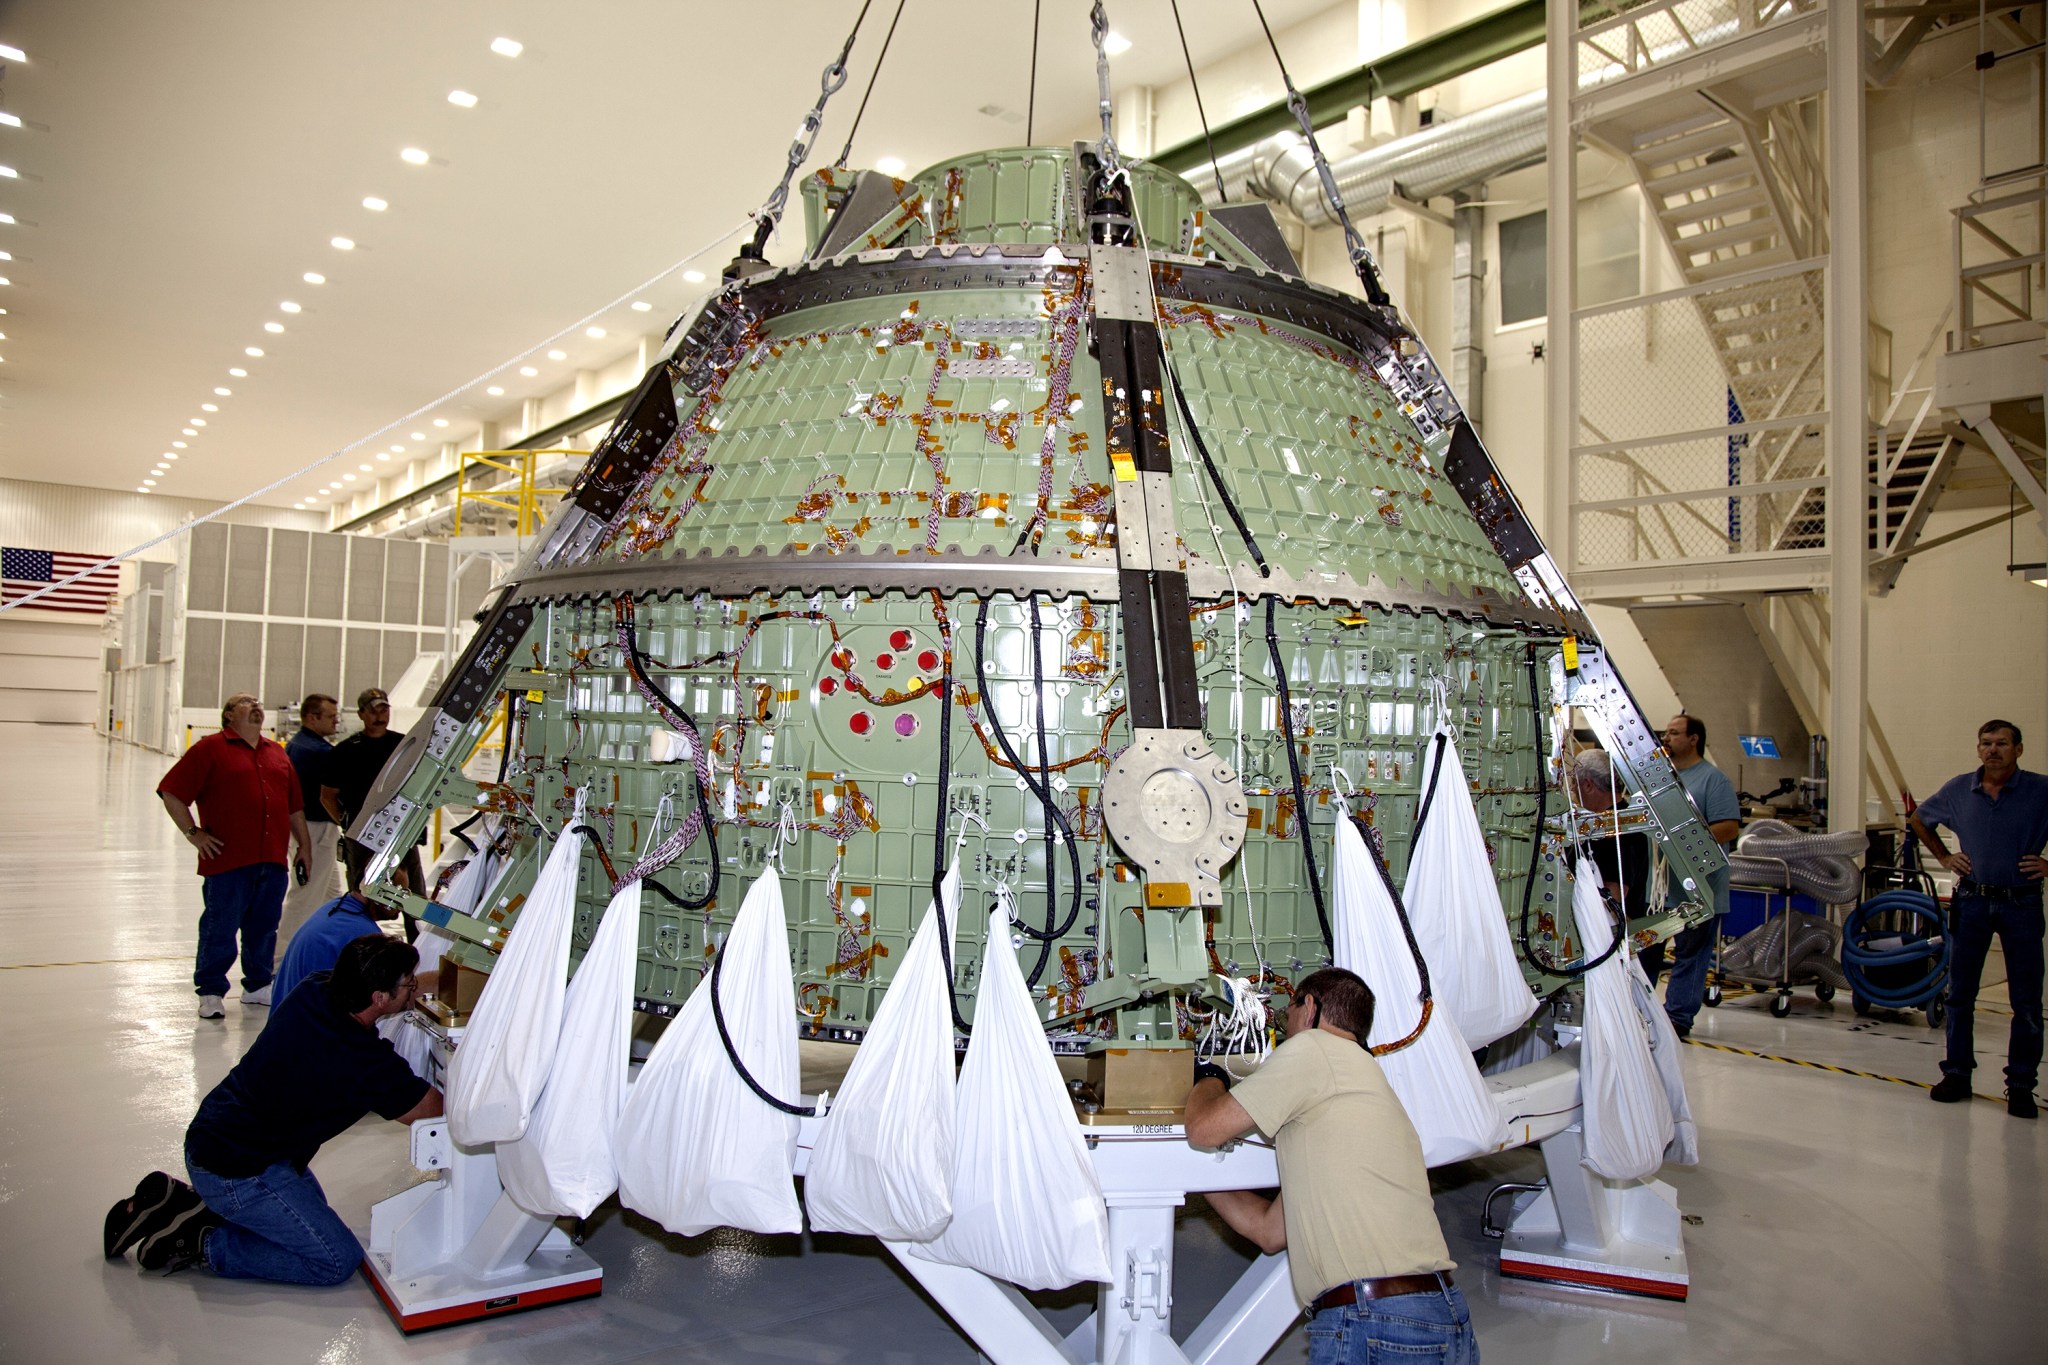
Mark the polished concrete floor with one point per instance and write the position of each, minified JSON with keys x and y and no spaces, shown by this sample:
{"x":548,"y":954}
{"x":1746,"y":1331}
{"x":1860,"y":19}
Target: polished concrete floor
{"x":1833,"y":1217}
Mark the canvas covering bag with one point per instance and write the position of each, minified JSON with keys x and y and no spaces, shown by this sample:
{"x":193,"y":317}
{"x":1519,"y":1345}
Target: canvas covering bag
{"x":564,"y":1165}
{"x":1434,"y":1076}
{"x":508,"y":1049}
{"x":1627,"y":1119}
{"x":697,"y":1148}
{"x":1027,"y":1206}
{"x":1454,"y":907}
{"x":882,"y":1163}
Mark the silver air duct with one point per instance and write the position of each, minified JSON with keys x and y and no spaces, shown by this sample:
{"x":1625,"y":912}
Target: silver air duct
{"x":1420,"y":166}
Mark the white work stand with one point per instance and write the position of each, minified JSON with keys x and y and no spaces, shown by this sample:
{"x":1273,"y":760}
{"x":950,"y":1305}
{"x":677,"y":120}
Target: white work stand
{"x":457,"y":1248}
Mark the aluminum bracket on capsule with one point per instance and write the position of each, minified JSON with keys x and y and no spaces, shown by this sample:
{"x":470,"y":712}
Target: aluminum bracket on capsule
{"x":1175,"y":809}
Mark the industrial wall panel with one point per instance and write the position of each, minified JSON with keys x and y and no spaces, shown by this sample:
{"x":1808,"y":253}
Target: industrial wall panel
{"x":400,"y":646}
{"x":284,"y":663}
{"x":323,"y":663}
{"x":365,"y":579}
{"x":241,"y":662}
{"x":434,"y":585}
{"x":327,"y":573}
{"x":248,"y":569}
{"x":51,"y":516}
{"x":360,"y":663}
{"x":202,"y":661}
{"x":206,"y":567}
{"x":154,"y":620}
{"x":402,"y":582}
{"x":469,"y":594}
{"x":288,"y":573}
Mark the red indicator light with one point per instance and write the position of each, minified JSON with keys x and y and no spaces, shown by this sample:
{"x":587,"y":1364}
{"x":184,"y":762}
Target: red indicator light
{"x":928,"y":661}
{"x":885,"y":662}
{"x":842,"y":658}
{"x":827,"y":686}
{"x":902,"y":639}
{"x":860,"y":722}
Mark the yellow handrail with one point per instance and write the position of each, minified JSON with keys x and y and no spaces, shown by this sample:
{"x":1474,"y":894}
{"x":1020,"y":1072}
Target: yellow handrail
{"x":521,"y":498}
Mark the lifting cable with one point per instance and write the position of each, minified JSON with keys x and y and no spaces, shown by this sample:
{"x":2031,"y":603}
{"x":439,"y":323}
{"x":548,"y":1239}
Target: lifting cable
{"x":1361,"y":259}
{"x":1436,"y":768}
{"x":1222,"y":195}
{"x":873,"y":76}
{"x":1379,"y":865}
{"x":1031,"y":98}
{"x":769,"y":215}
{"x":945,"y":799}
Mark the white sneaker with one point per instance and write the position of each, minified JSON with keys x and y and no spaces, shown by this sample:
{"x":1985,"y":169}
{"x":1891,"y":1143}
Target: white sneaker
{"x":261,"y":997}
{"x":210,"y":1007}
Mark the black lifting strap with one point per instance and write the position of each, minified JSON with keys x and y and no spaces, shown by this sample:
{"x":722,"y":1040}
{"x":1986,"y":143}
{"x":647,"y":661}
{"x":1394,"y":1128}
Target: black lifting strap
{"x":733,"y":1054}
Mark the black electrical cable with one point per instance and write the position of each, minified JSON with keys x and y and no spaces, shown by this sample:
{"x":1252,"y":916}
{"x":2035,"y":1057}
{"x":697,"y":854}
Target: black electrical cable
{"x":1043,"y":793}
{"x":1543,"y":960}
{"x":1286,"y":702}
{"x":1187,"y":418}
{"x":939,"y":838}
{"x":1436,"y":767}
{"x":873,"y":76}
{"x":643,"y":671}
{"x":1428,"y":999}
{"x":504,"y":766}
{"x":1222,"y":195}
{"x":1052,"y":889}
{"x":733,"y":1053}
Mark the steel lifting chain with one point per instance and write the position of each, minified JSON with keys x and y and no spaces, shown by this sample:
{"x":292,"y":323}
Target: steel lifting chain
{"x":770,"y":213}
{"x":1098,"y":29}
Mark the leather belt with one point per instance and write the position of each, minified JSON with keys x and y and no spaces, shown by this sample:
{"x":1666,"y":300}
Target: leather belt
{"x":1386,"y":1287}
{"x":2025,"y":891}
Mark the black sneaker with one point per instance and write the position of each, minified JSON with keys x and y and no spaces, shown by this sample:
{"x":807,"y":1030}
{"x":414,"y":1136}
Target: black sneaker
{"x":156,"y":1200}
{"x":175,"y":1246}
{"x":1950,"y":1090}
{"x":2020,"y":1104}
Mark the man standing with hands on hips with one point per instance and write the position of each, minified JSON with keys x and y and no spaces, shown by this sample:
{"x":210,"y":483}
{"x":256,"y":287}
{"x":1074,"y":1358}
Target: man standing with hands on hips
{"x":1354,"y":1215}
{"x":249,"y":801}
{"x":1999,"y":814}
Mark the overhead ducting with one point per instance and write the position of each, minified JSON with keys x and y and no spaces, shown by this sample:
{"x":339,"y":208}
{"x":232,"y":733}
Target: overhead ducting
{"x":1419,"y":167}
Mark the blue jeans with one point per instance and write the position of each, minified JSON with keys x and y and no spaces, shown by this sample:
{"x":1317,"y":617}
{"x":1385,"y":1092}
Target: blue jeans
{"x":247,"y":902}
{"x":275,"y":1226}
{"x":2018,"y":925}
{"x":1692,"y":951}
{"x":1415,"y":1329}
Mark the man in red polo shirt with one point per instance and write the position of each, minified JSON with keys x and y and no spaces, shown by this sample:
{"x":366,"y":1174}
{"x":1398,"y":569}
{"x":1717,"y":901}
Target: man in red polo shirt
{"x":249,"y":802}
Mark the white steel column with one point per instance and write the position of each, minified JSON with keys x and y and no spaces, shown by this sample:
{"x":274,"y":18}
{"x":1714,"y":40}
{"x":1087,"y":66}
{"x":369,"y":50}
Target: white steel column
{"x":1560,"y":378}
{"x":1848,"y":416}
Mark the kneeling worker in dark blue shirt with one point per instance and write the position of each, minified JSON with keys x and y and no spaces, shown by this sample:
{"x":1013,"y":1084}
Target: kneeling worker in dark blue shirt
{"x":254,"y":1210}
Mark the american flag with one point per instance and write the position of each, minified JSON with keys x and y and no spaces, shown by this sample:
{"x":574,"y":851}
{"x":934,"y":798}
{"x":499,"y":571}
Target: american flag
{"x":27,"y":570}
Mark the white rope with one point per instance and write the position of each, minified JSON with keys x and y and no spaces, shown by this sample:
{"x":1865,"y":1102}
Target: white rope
{"x":393,"y":425}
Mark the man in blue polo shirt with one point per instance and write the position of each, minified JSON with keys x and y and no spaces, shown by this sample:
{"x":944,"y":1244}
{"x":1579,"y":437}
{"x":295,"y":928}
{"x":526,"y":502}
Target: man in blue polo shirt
{"x":1999,"y":814}
{"x":317,"y":946}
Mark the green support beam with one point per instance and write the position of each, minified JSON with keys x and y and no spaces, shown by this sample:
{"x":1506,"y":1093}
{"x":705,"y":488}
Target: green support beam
{"x":1440,"y":57}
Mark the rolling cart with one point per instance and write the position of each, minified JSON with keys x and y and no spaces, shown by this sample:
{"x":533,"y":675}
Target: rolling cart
{"x":1781,"y":975}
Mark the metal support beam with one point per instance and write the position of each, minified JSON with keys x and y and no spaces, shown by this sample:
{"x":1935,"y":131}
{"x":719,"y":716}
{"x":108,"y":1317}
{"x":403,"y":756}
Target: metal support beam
{"x":1468,"y":312}
{"x":1978,"y":418}
{"x":1560,"y":377}
{"x":1847,"y":434}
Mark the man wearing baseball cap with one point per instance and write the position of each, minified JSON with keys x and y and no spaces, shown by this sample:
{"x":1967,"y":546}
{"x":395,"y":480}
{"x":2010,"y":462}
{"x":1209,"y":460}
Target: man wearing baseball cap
{"x":352,"y":771}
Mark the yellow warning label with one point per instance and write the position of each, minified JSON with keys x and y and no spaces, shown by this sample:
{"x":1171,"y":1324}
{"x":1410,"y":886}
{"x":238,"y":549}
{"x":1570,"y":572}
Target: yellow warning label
{"x":1571,"y":654}
{"x":1126,"y":467}
{"x":1168,"y":894}
{"x":535,"y":694}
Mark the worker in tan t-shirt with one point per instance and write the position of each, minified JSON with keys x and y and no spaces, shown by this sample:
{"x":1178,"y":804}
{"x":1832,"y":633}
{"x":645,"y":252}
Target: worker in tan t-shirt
{"x":1354,"y":1214}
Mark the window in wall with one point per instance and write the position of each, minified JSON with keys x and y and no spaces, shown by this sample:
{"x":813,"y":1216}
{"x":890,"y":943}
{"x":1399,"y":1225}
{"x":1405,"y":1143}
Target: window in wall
{"x":1610,"y":257}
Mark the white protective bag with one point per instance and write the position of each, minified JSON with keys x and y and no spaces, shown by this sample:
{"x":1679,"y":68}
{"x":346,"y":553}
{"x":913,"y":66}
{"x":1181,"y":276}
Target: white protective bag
{"x":697,"y":1148}
{"x":414,"y":1045}
{"x":1027,"y":1206}
{"x":564,"y":1165}
{"x":508,"y":1049}
{"x":1627,"y":1118}
{"x":1684,"y":1149}
{"x":477,"y":875}
{"x":1434,"y":1076}
{"x":882,"y":1164}
{"x":1454,"y":906}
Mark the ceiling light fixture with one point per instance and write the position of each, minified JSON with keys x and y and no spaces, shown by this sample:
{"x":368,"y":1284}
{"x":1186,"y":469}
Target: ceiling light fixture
{"x":313,"y":277}
{"x":6,"y":255}
{"x":1113,"y":45}
{"x":375,"y":205}
{"x":495,"y":392}
{"x":238,"y":372}
{"x":507,"y":47}
{"x":149,"y":483}
{"x":273,"y":327}
{"x":417,"y":436}
{"x":558,"y":355}
{"x":209,"y":407}
{"x":365,"y":468}
{"x":6,"y":218}
{"x":170,"y":454}
{"x":383,"y":455}
{"x":341,"y":244}
{"x":189,"y":431}
{"x":693,"y":276}
{"x":593,"y":331}
{"x":178,"y":445}
{"x":288,"y":306}
{"x":642,"y":306}
{"x":197,"y":421}
{"x":891,"y":166}
{"x":398,"y":450}
{"x":348,"y":478}
{"x":225,"y":393}
{"x":253,"y":351}
{"x":15,"y":54}
{"x":462,"y":98}
{"x":140,"y":489}
{"x":528,"y":371}
{"x":413,"y":156}
{"x":440,"y":421}
{"x":10,"y":172}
